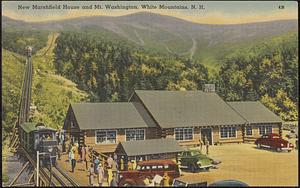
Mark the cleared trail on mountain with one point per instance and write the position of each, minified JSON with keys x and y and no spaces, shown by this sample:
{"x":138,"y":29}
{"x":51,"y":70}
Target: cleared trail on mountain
{"x":142,"y":43}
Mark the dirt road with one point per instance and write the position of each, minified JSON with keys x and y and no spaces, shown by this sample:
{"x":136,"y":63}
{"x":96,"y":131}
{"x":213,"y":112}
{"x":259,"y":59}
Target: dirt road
{"x":256,"y":167}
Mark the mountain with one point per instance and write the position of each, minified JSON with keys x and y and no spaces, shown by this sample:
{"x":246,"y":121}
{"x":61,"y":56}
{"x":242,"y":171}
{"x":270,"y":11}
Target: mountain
{"x":166,"y":34}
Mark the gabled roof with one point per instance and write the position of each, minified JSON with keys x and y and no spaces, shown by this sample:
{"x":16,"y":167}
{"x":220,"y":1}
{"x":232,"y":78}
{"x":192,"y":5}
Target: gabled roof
{"x":32,"y":126}
{"x":255,"y":112}
{"x":108,"y":116}
{"x":188,"y":108}
{"x":28,"y":127}
{"x":151,"y":146}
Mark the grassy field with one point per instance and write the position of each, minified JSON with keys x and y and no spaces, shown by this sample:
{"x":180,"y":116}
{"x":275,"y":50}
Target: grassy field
{"x":256,"y":167}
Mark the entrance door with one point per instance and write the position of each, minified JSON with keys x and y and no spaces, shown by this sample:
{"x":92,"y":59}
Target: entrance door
{"x":206,"y":133}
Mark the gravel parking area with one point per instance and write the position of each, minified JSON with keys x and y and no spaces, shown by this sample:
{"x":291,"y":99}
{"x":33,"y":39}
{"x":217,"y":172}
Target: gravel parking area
{"x":256,"y":167}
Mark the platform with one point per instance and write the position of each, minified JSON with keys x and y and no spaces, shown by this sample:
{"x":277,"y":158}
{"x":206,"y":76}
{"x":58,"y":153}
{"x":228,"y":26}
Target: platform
{"x":80,"y":174}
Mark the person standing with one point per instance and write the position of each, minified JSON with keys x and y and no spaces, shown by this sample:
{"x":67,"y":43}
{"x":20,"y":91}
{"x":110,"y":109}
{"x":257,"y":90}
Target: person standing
{"x":59,"y":147}
{"x":129,"y":165}
{"x":114,"y":168}
{"x":88,"y":159}
{"x":83,"y":153}
{"x":109,"y":176}
{"x":134,"y":164}
{"x":201,"y":144}
{"x":57,"y":136}
{"x":207,"y":145}
{"x":100,"y":174}
{"x":73,"y":161}
{"x":179,"y":168}
{"x":122,"y":163}
{"x":115,"y":157}
{"x":96,"y":164}
{"x":109,"y":161}
{"x":62,"y":137}
{"x":166,"y":179}
{"x":91,"y":175}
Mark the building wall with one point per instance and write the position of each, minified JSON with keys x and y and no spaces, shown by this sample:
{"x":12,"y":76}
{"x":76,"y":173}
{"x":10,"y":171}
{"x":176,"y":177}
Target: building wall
{"x":215,"y":136}
{"x":276,"y":128}
{"x":238,"y":139}
{"x":90,"y":140}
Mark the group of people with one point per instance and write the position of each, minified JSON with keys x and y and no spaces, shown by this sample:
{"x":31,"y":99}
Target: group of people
{"x":102,"y":170}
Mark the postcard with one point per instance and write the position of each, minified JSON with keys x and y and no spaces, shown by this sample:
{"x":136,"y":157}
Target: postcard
{"x":150,"y":93}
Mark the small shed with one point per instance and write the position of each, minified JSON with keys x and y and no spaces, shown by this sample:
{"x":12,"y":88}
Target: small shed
{"x":165,"y":148}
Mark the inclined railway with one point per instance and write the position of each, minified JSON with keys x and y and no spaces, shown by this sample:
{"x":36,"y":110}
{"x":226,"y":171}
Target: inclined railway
{"x":47,"y":175}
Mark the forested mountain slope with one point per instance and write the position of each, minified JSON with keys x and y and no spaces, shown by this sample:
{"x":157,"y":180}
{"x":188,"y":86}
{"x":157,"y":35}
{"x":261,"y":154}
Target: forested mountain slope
{"x":50,"y":93}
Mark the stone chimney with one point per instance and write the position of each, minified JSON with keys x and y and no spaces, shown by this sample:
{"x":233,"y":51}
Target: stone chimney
{"x":209,"y":88}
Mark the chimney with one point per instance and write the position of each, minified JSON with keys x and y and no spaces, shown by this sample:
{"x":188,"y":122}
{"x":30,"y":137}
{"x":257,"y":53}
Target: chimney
{"x":209,"y":88}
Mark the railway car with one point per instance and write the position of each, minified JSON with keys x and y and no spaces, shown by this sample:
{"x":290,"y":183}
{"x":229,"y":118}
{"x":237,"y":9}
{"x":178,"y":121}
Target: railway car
{"x":29,"y":51}
{"x":36,"y":137}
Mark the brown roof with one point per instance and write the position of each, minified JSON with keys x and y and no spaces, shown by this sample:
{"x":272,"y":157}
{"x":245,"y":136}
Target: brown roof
{"x":188,"y":108}
{"x":150,"y":146}
{"x":255,"y":112}
{"x":109,"y":116}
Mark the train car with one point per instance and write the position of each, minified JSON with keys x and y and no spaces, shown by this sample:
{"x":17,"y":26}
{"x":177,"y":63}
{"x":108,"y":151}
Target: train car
{"x":36,"y":137}
{"x":29,"y":51}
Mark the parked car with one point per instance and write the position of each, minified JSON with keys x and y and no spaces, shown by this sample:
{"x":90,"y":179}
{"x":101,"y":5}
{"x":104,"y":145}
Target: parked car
{"x":273,"y":141}
{"x":148,"y":169}
{"x":195,"y":160}
{"x":188,"y":181}
{"x":228,"y":183}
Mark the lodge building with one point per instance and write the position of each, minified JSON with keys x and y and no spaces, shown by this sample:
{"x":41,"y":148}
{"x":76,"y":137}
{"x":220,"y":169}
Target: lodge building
{"x":185,"y":116}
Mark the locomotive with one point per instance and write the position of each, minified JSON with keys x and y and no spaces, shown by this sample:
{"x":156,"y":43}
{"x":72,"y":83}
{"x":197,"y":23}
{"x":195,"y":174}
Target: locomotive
{"x":37,"y":137}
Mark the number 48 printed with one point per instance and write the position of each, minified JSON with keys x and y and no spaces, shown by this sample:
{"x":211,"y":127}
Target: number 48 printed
{"x":281,"y":7}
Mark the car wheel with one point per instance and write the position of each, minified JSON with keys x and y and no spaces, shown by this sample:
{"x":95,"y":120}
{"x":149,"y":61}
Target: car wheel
{"x":258,"y":146}
{"x":192,"y":168}
{"x":278,"y":149}
{"x":127,"y":184}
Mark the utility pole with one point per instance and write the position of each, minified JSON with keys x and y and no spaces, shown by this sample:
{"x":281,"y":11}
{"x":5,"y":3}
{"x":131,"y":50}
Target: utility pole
{"x":37,"y":168}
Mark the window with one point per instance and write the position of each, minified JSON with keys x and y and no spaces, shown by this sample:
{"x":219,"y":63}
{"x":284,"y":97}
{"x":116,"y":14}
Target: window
{"x":228,"y":132}
{"x":248,"y":130}
{"x":265,"y":129}
{"x":268,"y":129}
{"x":106,"y":137}
{"x":135,"y":134}
{"x":159,"y":167}
{"x":184,"y":133}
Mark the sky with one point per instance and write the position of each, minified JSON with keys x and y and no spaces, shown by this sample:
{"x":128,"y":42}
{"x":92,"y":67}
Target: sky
{"x":215,"y":12}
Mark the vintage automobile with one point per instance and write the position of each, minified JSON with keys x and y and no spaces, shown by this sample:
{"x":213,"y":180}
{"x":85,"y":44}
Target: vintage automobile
{"x":148,"y":169}
{"x":273,"y":141}
{"x":228,"y":183}
{"x":194,"y":160}
{"x":188,"y":181}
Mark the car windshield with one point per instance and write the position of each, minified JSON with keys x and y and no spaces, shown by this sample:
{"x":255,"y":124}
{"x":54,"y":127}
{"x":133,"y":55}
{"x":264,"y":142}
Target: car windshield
{"x":194,"y":153}
{"x":178,"y":183}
